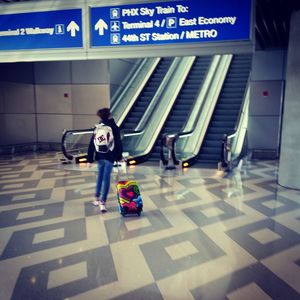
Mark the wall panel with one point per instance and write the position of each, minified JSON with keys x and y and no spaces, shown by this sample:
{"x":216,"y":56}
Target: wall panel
{"x":87,"y":99}
{"x":50,"y":127}
{"x":19,"y":128}
{"x":54,"y":99}
{"x":19,"y":98}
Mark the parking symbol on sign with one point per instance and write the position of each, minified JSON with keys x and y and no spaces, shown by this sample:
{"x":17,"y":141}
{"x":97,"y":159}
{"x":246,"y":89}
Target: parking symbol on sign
{"x":171,"y":22}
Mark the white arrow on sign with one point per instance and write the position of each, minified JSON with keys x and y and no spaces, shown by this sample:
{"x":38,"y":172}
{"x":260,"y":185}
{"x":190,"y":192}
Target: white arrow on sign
{"x":73,"y":27}
{"x":101,"y":25}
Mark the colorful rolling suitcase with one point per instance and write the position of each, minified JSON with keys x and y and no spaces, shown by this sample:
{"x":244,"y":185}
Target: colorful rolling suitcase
{"x":129,"y":197}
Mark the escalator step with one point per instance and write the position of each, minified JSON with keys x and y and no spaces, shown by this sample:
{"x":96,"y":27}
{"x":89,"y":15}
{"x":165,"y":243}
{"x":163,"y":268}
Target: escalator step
{"x":227,"y":112}
{"x":219,"y":130}
{"x":208,"y":143}
{"x":222,"y":124}
{"x":225,"y":118}
{"x":211,"y":150}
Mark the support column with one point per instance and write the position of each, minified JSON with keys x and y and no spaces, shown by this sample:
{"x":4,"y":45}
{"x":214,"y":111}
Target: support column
{"x":289,"y":163}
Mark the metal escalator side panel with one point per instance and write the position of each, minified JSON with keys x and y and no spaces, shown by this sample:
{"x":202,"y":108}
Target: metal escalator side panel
{"x":241,"y":130}
{"x":158,"y":95}
{"x":126,"y":82}
{"x":128,"y":97}
{"x":75,"y":143}
{"x":146,"y":96}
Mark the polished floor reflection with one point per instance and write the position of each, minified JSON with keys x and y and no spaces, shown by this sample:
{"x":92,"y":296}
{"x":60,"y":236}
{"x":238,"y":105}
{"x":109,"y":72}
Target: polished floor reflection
{"x":203,"y":234}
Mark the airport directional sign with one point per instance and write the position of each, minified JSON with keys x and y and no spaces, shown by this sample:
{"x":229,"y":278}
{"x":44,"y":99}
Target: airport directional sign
{"x":41,"y":30}
{"x":170,"y":22}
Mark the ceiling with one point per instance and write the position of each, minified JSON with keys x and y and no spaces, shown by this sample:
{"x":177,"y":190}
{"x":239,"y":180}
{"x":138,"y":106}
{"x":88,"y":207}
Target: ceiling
{"x":271,"y":26}
{"x":273,"y":22}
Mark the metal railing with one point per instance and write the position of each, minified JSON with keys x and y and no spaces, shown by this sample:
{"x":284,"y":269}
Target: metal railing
{"x":234,"y":142}
{"x":75,"y":143}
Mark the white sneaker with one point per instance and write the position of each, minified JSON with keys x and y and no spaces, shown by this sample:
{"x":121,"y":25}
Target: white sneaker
{"x":96,"y":203}
{"x":102,"y":207}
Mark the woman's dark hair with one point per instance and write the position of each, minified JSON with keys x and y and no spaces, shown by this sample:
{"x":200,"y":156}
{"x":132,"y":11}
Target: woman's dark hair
{"x":103,"y":113}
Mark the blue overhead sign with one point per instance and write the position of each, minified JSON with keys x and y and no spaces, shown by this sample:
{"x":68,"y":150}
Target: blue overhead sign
{"x":41,"y":30}
{"x":171,"y":22}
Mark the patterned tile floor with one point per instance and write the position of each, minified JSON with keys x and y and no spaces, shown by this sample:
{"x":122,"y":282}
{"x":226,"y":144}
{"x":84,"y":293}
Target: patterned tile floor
{"x":203,"y":235}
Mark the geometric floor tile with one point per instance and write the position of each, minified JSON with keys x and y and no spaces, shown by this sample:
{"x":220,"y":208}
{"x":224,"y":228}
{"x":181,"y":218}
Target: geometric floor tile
{"x":53,"y":174}
{"x":17,"y":175}
{"x":248,"y":292}
{"x":265,"y":236}
{"x":11,"y":168}
{"x":149,"y":292}
{"x":170,"y":198}
{"x":120,"y":229}
{"x":255,"y":242}
{"x":269,"y":185}
{"x":199,"y":248}
{"x":211,"y":213}
{"x":91,"y":210}
{"x":271,"y":207}
{"x":286,"y":266}
{"x":24,"y":185}
{"x":31,"y":214}
{"x":22,"y":242}
{"x":181,"y":250}
{"x":48,"y":236}
{"x":168,"y":253}
{"x":224,"y":192}
{"x":194,"y":182}
{"x":253,"y":283}
{"x":24,"y":197}
{"x":74,"y":181}
{"x":76,"y":194}
{"x":66,"y":277}
{"x":272,"y":204}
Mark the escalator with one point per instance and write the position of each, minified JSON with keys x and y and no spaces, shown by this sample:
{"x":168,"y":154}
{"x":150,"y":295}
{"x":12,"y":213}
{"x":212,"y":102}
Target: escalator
{"x":184,"y":102}
{"x":144,"y":99}
{"x":226,"y":111}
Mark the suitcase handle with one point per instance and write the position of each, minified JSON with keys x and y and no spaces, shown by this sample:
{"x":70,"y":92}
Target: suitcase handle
{"x":119,"y":175}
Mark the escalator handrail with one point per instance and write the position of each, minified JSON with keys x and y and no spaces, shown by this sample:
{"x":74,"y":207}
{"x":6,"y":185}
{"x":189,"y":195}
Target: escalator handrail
{"x":140,"y":128}
{"x":242,"y":108}
{"x":120,"y":112}
{"x":172,"y":149}
{"x":156,"y":98}
{"x":118,"y":95}
{"x":229,"y":138}
{"x":185,"y":133}
{"x":67,"y":132}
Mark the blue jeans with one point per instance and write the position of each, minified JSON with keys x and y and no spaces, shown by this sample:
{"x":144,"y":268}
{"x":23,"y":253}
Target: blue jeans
{"x":103,"y":179}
